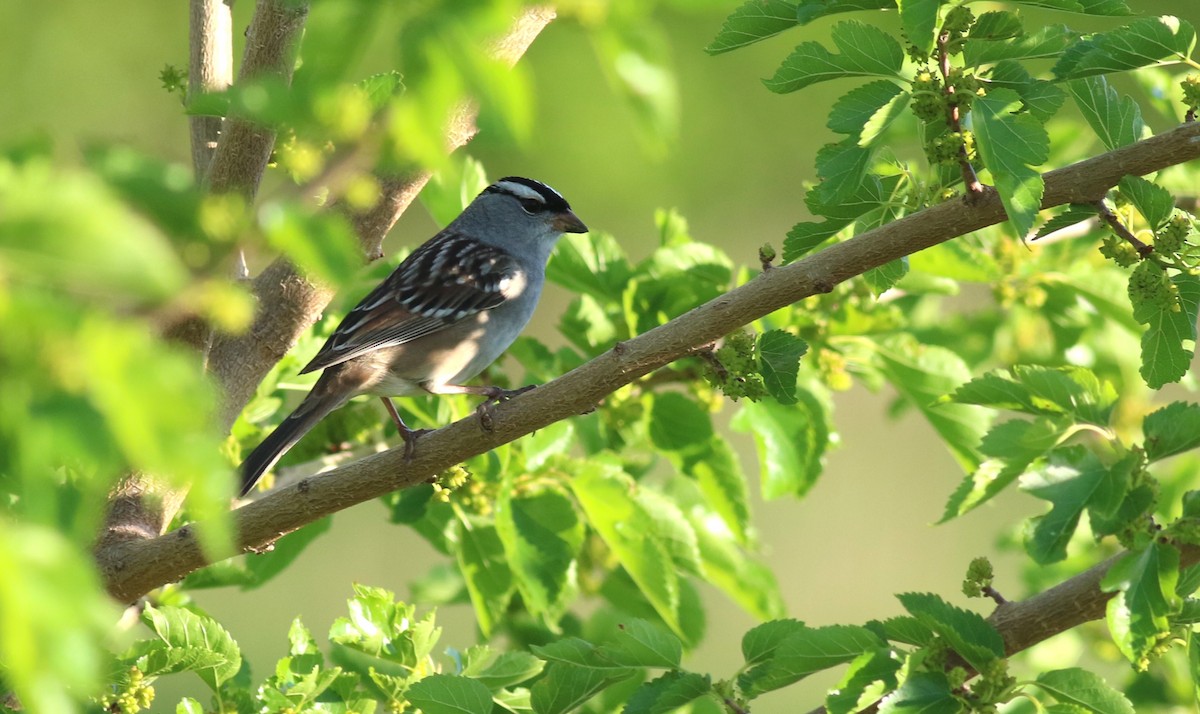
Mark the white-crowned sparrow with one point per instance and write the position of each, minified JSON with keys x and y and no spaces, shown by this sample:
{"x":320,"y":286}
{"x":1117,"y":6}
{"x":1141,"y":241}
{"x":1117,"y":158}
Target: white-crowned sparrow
{"x":443,"y":315}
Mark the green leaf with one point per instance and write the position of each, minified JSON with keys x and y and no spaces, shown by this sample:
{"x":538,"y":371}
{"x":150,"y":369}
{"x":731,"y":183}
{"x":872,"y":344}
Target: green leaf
{"x":966,"y":632}
{"x":1073,"y":214}
{"x":671,"y":528}
{"x":755,"y":20}
{"x":1047,"y":41}
{"x":1116,"y":119}
{"x":639,"y":643}
{"x":810,"y":10}
{"x":448,"y":694}
{"x":866,"y":51}
{"x":906,"y":629}
{"x":1084,"y":689}
{"x":541,"y":535}
{"x":760,"y":643}
{"x":959,"y":260}
{"x":923,"y":374}
{"x":1086,"y":7}
{"x":607,"y":497}
{"x":1169,"y":341}
{"x":996,"y":25}
{"x":841,"y":169}
{"x":69,"y":228}
{"x":1142,"y":42}
{"x":189,"y":642}
{"x":868,"y":677}
{"x":564,"y":687}
{"x":1043,"y":99}
{"x":1011,"y":447}
{"x":677,"y":422}
{"x":503,"y":669}
{"x":804,"y":237}
{"x":1155,"y":203}
{"x":322,"y":244}
{"x":718,"y":473}
{"x":592,"y":263}
{"x":667,"y":693}
{"x":779,"y":354}
{"x":1139,"y":616}
{"x":741,"y":576}
{"x":864,"y":112}
{"x":1072,"y":480}
{"x":1171,"y":430}
{"x":484,"y":566}
{"x":886,"y":276}
{"x":922,"y":693}
{"x":1074,"y":391}
{"x":805,"y":652}
{"x":164,"y":192}
{"x":1011,"y":146}
{"x":791,"y":442}
{"x":919,"y":20}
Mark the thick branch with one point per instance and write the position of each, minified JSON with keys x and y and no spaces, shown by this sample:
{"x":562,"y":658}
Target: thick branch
{"x":141,"y":506}
{"x":210,"y":69}
{"x":244,"y":148}
{"x":1063,"y":607}
{"x":144,"y":565}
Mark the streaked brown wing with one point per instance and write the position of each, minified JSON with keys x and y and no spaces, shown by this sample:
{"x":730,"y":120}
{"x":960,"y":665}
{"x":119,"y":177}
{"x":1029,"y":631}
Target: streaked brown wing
{"x":445,"y":280}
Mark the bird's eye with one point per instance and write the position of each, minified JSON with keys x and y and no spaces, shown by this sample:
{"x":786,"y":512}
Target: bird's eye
{"x":532,"y":205}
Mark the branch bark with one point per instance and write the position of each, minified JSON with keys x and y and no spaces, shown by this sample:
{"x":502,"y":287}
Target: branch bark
{"x":143,"y":565}
{"x":210,"y":69}
{"x":141,"y":506}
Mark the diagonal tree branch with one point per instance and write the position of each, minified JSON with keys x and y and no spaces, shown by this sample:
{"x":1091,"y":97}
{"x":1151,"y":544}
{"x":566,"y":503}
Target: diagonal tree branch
{"x":1071,"y":603}
{"x":143,"y":565}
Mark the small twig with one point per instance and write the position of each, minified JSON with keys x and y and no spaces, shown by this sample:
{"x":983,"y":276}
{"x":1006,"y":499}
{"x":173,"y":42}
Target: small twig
{"x":1119,"y":228}
{"x":766,"y":256}
{"x":970,"y":178}
{"x":1190,"y":115}
{"x":994,"y":594}
{"x":735,"y":707}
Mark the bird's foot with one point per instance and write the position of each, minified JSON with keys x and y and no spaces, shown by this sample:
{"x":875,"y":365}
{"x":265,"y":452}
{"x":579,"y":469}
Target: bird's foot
{"x":495,"y":395}
{"x":410,"y":437}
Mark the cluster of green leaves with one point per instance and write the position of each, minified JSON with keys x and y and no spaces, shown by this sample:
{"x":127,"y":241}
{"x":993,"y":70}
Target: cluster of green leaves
{"x":1103,"y":476}
{"x":93,"y":263}
{"x":381,"y":658}
{"x":978,"y":98}
{"x":1058,"y":337}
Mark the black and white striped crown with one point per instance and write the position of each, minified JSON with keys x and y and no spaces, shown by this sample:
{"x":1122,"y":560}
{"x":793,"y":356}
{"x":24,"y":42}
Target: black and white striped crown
{"x":524,"y":189}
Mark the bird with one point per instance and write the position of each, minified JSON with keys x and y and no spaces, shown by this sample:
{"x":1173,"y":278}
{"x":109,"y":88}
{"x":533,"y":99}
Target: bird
{"x":447,"y":311}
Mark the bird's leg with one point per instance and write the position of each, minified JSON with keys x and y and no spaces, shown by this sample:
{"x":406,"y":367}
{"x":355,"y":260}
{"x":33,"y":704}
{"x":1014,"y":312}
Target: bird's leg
{"x":492,"y":396}
{"x":408,"y":435}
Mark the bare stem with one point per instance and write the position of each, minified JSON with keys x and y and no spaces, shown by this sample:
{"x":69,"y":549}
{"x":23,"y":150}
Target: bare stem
{"x":1119,"y":228}
{"x":954,"y":118}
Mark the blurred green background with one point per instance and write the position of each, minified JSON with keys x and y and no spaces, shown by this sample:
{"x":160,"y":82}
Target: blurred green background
{"x":83,"y":72}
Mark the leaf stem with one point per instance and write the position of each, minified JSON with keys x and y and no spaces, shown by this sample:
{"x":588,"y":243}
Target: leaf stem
{"x":1119,"y":228}
{"x":954,"y":119}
